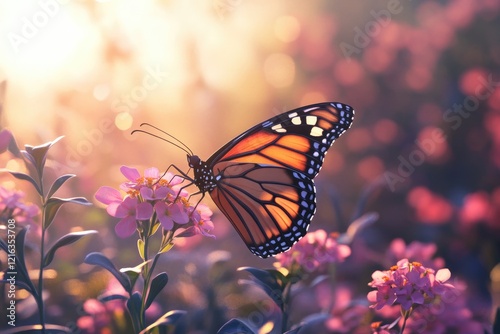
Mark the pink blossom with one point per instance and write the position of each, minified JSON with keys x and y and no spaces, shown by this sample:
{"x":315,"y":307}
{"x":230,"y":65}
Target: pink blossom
{"x":408,"y":284}
{"x":314,"y":251}
{"x":13,"y":206}
{"x":415,"y":251}
{"x":5,"y":139}
{"x":130,"y":210}
{"x":170,"y":213}
{"x":202,"y":223}
{"x":447,"y":314}
{"x":154,"y":192}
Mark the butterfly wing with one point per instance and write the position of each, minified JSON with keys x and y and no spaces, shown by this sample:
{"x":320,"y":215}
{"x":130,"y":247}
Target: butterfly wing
{"x":265,"y":176}
{"x":269,"y":206}
{"x":297,"y":139}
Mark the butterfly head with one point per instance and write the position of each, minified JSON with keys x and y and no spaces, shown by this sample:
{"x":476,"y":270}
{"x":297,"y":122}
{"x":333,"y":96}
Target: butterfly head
{"x":193,"y":161}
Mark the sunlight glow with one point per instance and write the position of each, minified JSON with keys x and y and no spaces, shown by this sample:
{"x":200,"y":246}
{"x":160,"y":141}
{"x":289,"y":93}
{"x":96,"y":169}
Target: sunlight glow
{"x":287,"y":28}
{"x":123,"y":121}
{"x":279,"y":69}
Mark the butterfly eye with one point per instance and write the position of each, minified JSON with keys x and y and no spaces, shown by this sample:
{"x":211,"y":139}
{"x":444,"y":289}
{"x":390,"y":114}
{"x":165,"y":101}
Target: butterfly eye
{"x":193,"y":160}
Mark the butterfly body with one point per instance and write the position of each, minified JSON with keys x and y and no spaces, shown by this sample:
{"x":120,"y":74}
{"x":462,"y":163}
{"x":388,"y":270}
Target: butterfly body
{"x":263,"y":179}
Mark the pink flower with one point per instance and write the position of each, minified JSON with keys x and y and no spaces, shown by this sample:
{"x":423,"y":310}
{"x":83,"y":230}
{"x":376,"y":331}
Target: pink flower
{"x":109,"y":196}
{"x":408,"y":284}
{"x":314,"y":251}
{"x":5,"y":139}
{"x":170,"y":213}
{"x":415,"y":251}
{"x":12,"y":206}
{"x":202,"y":223}
{"x":154,"y":192}
{"x":447,"y":314}
{"x":159,"y":193}
{"x":130,"y":210}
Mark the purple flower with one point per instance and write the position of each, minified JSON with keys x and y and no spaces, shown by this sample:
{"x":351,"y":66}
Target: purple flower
{"x":158,"y":193}
{"x":202,"y":223}
{"x":154,"y":192}
{"x":202,"y":220}
{"x":12,"y":206}
{"x":130,"y":210}
{"x":109,"y":196}
{"x":5,"y":139}
{"x":170,"y":213}
{"x":314,"y":251}
{"x":408,"y":284}
{"x":415,"y":251}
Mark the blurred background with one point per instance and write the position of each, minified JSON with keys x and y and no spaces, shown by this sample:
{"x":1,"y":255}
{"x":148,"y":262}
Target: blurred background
{"x":423,"y":77}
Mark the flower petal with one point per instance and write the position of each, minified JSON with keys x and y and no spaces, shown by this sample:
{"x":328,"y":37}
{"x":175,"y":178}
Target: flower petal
{"x":178,"y":213}
{"x":152,"y":173}
{"x":5,"y":138}
{"x":113,"y":208}
{"x":144,"y":211}
{"x":162,"y":192}
{"x":125,"y":227}
{"x":130,"y":173}
{"x":443,"y":275}
{"x":189,"y":232}
{"x":147,"y":193}
{"x":166,"y":222}
{"x":108,"y":195}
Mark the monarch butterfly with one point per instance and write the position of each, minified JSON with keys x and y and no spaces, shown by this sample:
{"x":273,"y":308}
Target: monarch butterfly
{"x":262,"y":180}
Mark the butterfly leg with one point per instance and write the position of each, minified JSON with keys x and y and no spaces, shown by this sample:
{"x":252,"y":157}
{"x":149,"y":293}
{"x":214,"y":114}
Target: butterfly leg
{"x":182,"y":175}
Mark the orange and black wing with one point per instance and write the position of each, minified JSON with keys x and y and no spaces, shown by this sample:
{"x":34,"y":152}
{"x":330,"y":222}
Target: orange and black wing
{"x":269,"y":206}
{"x":265,"y":176}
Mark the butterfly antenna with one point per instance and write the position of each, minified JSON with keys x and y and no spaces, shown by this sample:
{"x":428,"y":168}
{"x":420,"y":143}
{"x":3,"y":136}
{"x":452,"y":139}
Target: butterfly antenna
{"x":179,"y":143}
{"x":185,"y":149}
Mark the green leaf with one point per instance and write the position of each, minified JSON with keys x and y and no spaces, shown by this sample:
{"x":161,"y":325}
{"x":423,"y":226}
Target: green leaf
{"x":108,"y":298}
{"x":134,"y":308}
{"x":98,"y":259}
{"x":236,"y":326}
{"x":13,"y":148}
{"x":53,"y":205}
{"x":157,"y":284}
{"x":166,"y":248}
{"x":169,"y":318}
{"x":63,"y":241}
{"x":37,"y":155}
{"x":271,"y":281}
{"x":22,"y":277}
{"x":140,"y":248}
{"x":134,"y":272}
{"x":26,"y":177}
{"x":58,"y":183}
{"x":357,"y":226}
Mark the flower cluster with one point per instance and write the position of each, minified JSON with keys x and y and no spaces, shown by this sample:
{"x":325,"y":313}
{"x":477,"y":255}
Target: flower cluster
{"x":314,"y":251}
{"x":12,"y":206}
{"x":157,"y":197}
{"x":408,"y":284}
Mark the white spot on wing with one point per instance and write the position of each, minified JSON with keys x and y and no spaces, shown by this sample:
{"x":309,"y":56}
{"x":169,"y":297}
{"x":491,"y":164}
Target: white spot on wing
{"x":316,"y":131}
{"x":296,"y":121}
{"x":311,"y":120}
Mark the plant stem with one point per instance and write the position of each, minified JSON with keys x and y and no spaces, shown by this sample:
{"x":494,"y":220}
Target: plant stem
{"x":40,"y":302}
{"x":285,"y":306}
{"x":145,"y":274}
{"x":406,"y":315}
{"x":41,"y":308}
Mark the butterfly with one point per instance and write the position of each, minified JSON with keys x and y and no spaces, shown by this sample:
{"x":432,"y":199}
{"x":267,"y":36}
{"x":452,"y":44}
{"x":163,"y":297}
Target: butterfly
{"x":263,"y":180}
